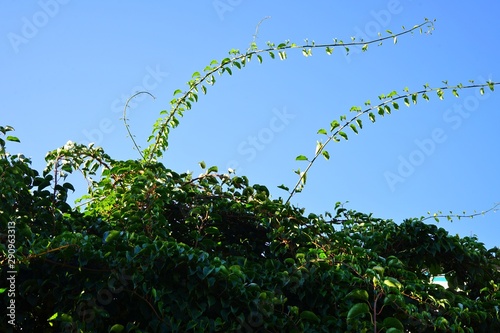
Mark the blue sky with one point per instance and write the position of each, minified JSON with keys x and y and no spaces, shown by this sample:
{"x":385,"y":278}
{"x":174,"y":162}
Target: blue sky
{"x":69,"y":65}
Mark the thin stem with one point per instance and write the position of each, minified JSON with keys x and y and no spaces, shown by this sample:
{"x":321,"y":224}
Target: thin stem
{"x":125,"y":119}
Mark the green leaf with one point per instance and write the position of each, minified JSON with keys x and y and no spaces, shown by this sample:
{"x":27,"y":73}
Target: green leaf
{"x":112,"y":235}
{"x":342,"y":134}
{"x":357,"y":310}
{"x":393,"y":330}
{"x":392,"y":283}
{"x":359,"y":122}
{"x":481,"y":91}
{"x":212,"y":169}
{"x":116,"y":328}
{"x":414,"y":98}
{"x":54,"y":316}
{"x":309,"y":316}
{"x":13,"y":138}
{"x":178,"y":91}
{"x":333,"y":125}
{"x":360,"y":294}
{"x":372,"y":117}
{"x":364,"y":48}
{"x":2,"y":290}
{"x":353,"y":127}
{"x":491,"y":85}
{"x":259,"y":57}
{"x":319,"y":146}
{"x":322,"y":131}
{"x":329,"y":50}
{"x":282,"y":55}
{"x":326,"y":154}
{"x":283,"y":187}
{"x":301,"y":158}
{"x":202,"y":164}
{"x":407,"y":101}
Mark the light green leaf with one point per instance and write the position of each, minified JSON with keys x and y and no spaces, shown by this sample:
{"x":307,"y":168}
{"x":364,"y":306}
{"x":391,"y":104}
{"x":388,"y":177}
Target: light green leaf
{"x":342,"y":134}
{"x":13,"y":138}
{"x":112,"y":235}
{"x":392,"y":283}
{"x":322,"y":131}
{"x":319,"y":146}
{"x":333,"y":125}
{"x":301,"y":158}
{"x":202,"y":164}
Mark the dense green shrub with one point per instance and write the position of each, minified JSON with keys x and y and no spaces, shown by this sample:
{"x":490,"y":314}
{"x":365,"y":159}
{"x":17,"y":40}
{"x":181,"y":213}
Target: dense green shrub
{"x":152,"y":250}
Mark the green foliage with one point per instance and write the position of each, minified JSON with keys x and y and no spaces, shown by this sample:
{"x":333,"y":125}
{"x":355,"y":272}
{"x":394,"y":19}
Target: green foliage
{"x":148,"y":249}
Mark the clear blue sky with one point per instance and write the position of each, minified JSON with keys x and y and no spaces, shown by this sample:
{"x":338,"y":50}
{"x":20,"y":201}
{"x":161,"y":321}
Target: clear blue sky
{"x":67,"y":67}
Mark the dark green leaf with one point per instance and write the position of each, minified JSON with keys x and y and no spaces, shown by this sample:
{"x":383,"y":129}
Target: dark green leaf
{"x":357,"y":310}
{"x":309,"y":316}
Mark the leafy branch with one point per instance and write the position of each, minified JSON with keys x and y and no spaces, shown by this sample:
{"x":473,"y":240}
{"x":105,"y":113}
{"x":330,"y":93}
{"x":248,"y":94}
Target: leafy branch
{"x":384,"y":107}
{"x":183,"y":102}
{"x":438,"y":215}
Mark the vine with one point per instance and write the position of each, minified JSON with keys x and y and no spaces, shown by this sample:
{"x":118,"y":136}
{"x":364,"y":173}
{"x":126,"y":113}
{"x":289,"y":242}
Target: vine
{"x":179,"y":105}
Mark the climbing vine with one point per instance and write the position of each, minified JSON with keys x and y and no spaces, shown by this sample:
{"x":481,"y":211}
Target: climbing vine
{"x":148,"y":249}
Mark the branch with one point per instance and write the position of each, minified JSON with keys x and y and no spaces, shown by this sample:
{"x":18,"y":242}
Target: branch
{"x":183,"y":103}
{"x":382,"y":108}
{"x":436,"y":217}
